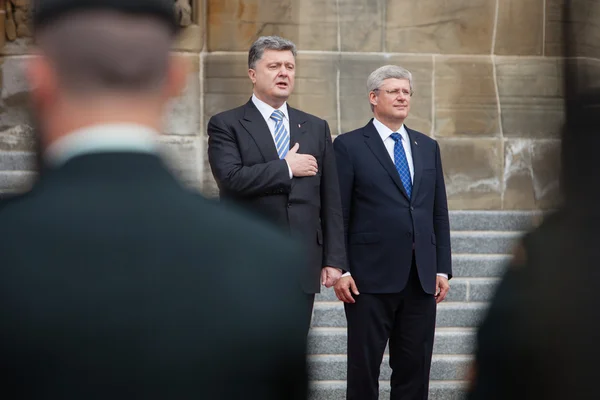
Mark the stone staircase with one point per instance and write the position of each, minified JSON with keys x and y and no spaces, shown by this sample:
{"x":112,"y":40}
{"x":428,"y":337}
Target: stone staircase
{"x":481,"y":245}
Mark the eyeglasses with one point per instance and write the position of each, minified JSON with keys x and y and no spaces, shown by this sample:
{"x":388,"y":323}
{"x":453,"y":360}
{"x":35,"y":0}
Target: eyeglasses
{"x":396,"y":92}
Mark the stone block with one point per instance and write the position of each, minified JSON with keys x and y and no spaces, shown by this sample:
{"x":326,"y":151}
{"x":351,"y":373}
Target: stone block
{"x":583,"y":25}
{"x":447,"y":341}
{"x":361,"y":25}
{"x":494,"y":220}
{"x":531,"y":96}
{"x":183,"y":114}
{"x":185,"y":157}
{"x":465,"y":97}
{"x":479,"y":265}
{"x":531,"y":173}
{"x":458,"y":290}
{"x":234,"y":25}
{"x":354,"y":101}
{"x":482,"y":289}
{"x":447,"y":27}
{"x":18,"y":138}
{"x":335,"y":390}
{"x":209,"y":185}
{"x":520,"y":27}
{"x":484,"y":242}
{"x":315,"y":91}
{"x":473,"y":172}
{"x":191,"y":38}
{"x":17,"y":161}
{"x":16,"y":181}
{"x":226,"y":83}
{"x":14,"y":94}
{"x":466,"y":315}
{"x":454,"y":341}
{"x":334,"y":367}
{"x":460,"y":315}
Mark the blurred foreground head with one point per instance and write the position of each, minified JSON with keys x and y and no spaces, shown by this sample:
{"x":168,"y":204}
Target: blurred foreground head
{"x":102,"y":61}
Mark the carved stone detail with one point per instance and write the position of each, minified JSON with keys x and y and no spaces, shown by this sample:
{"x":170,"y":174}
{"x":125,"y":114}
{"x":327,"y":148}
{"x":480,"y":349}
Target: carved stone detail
{"x":17,"y":22}
{"x":183,"y":9}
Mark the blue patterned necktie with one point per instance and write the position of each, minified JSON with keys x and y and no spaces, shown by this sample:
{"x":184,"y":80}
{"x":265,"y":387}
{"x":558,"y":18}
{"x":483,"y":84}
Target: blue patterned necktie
{"x":282,"y":139}
{"x":402,"y":163}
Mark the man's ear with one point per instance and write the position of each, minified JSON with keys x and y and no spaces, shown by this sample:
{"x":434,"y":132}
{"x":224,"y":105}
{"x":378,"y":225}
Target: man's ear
{"x":373,"y":98}
{"x":179,"y":68}
{"x":252,"y":75}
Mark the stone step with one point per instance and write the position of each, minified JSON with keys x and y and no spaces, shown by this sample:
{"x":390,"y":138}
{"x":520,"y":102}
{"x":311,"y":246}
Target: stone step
{"x":494,"y":220}
{"x":438,"y":390}
{"x":455,"y":314}
{"x":484,"y":242}
{"x":461,"y":289}
{"x":447,"y":341}
{"x":332,"y":367}
{"x":479,"y":265}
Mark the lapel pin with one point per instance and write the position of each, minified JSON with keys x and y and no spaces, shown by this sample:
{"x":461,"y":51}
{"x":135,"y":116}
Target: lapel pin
{"x":299,"y":125}
{"x":416,"y":142}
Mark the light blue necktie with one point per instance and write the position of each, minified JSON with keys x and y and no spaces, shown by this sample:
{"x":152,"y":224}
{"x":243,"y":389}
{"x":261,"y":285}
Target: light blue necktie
{"x":402,"y":163}
{"x":282,"y":139}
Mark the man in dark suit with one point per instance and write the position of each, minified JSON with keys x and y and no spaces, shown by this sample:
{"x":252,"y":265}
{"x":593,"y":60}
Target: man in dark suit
{"x":116,"y":282}
{"x":398,"y":238}
{"x":279,"y":163}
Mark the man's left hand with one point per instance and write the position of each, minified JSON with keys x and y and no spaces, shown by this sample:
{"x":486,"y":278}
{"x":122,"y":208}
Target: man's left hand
{"x":442,"y":287}
{"x":330,"y":276}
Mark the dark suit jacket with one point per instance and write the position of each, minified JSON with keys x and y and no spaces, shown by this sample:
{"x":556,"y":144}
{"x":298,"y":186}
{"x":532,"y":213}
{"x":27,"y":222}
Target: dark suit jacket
{"x":381,"y":222}
{"x":115,"y":282}
{"x":247,"y":169}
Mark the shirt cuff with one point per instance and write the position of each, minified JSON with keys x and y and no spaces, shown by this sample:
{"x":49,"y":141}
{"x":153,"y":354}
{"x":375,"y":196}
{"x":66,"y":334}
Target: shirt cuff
{"x":346,"y":274}
{"x":289,"y":169}
{"x":443,"y":275}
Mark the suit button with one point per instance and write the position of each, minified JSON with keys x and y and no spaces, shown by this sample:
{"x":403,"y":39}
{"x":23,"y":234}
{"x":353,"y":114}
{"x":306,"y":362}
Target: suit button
{"x":412,"y":208}
{"x":289,"y":205}
{"x":409,"y":234}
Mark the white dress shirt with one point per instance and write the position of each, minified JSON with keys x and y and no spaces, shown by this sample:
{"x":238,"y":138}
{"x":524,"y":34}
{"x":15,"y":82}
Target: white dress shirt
{"x":100,"y":139}
{"x":386,"y":136}
{"x":266,"y":111}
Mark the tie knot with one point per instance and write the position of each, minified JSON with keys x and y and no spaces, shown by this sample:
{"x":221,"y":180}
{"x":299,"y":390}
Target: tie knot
{"x":396,"y":137}
{"x":277,"y":115}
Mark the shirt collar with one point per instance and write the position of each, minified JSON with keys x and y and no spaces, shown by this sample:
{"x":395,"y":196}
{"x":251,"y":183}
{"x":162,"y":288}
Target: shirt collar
{"x":266,"y":110}
{"x":101,"y":139}
{"x":386,"y":132}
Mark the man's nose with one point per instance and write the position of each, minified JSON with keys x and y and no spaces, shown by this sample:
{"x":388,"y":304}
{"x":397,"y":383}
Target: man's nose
{"x":283,"y":71}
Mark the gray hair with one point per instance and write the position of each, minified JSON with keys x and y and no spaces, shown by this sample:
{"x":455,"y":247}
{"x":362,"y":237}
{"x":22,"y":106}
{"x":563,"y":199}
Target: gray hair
{"x":268,"y":43}
{"x":377,"y":77}
{"x":107,"y":52}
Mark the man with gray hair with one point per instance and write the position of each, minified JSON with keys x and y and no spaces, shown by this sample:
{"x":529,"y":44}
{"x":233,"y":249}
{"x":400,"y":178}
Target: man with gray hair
{"x":398,"y":237}
{"x":116,"y":282}
{"x":279,"y":163}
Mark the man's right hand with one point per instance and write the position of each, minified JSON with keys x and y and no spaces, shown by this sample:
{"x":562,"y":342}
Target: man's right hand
{"x":301,"y":164}
{"x":342,"y":289}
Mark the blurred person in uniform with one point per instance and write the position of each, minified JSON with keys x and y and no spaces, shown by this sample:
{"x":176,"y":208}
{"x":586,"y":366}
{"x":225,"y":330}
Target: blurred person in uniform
{"x":115,"y":281}
{"x":539,"y":339}
{"x":278,"y":162}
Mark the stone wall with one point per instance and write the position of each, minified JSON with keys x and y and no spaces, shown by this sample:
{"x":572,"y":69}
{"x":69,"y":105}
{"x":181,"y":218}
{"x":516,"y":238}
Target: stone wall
{"x":488,"y":84}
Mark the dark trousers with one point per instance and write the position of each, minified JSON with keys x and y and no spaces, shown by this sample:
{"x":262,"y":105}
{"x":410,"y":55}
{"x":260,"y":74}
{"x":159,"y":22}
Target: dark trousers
{"x":310,"y":301}
{"x":407,"y":319}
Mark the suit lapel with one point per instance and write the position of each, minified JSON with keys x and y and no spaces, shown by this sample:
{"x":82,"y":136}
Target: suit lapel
{"x":374,"y":142}
{"x":417,"y":160}
{"x":297,"y":126}
{"x":256,"y":126}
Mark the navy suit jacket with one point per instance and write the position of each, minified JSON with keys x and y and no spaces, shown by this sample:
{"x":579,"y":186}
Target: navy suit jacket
{"x":382,"y":225}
